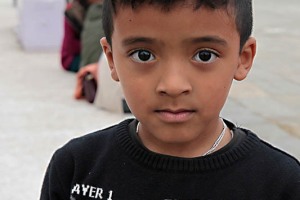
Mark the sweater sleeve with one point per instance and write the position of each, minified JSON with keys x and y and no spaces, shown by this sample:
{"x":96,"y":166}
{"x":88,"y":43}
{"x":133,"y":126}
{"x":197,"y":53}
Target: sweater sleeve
{"x":58,"y":177}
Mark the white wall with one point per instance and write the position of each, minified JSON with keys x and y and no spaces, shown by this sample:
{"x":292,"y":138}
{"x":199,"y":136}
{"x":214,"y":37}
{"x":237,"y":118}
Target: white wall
{"x":41,"y":24}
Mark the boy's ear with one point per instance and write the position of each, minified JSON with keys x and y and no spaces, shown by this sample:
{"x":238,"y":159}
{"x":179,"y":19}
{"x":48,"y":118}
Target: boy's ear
{"x":246,"y":59}
{"x":109,"y":55}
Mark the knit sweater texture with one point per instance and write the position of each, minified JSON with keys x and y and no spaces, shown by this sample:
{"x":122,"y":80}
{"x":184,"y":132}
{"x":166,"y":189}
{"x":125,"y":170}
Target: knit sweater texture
{"x":110,"y":165}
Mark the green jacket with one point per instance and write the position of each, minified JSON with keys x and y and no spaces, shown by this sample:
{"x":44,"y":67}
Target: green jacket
{"x":91,"y":34}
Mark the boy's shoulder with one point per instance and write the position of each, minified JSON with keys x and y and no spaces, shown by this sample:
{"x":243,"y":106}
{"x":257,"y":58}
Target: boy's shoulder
{"x":91,"y":142}
{"x":268,"y":155}
{"x":283,"y":157}
{"x":101,"y":135}
{"x":259,"y":147}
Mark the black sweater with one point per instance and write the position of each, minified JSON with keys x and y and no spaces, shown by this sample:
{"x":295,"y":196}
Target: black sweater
{"x":109,"y":164}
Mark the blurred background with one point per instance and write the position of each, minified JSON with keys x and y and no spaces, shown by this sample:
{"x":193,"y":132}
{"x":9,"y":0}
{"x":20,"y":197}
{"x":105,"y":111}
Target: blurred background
{"x":38,"y":112}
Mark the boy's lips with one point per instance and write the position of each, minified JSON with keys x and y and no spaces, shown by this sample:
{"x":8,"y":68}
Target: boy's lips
{"x":175,"y":115}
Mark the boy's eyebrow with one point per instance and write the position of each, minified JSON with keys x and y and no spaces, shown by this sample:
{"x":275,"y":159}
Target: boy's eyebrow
{"x":212,"y":39}
{"x":134,"y":40}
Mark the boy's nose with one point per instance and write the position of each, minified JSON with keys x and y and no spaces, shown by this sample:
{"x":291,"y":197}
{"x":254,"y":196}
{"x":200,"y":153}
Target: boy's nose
{"x":174,"y":82}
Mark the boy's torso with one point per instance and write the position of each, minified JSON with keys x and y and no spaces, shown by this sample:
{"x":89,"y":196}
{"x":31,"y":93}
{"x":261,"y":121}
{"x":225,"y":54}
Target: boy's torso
{"x":109,"y":165}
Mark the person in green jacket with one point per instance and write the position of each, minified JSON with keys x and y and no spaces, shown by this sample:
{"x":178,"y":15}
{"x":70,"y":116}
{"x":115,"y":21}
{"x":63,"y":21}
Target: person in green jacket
{"x":90,"y":51}
{"x":91,"y":34}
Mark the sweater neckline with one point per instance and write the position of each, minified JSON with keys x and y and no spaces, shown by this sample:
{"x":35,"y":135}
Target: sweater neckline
{"x":176,"y":164}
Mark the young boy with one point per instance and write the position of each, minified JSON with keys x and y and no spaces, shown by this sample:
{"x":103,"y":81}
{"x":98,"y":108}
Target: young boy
{"x":176,"y":61}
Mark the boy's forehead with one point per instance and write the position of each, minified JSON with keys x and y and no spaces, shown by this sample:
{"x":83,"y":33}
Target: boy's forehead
{"x":186,"y":5}
{"x":177,"y":5}
{"x":187,"y":23}
{"x":163,"y":5}
{"x":168,"y":4}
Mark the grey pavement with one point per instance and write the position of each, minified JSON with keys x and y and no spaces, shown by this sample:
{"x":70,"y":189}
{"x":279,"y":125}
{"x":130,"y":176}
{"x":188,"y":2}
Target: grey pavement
{"x":38,"y":113}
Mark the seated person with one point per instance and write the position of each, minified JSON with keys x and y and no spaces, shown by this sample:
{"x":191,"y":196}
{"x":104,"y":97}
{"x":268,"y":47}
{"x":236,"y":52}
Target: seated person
{"x":71,"y":47}
{"x":90,"y":47}
{"x":108,"y":95}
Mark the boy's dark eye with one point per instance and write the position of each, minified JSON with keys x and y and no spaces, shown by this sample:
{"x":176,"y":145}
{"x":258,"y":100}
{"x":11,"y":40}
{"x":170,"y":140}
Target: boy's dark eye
{"x":142,"y":56}
{"x":205,"y":56}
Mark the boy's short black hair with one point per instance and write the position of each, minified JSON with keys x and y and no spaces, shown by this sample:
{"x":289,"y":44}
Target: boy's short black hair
{"x":242,"y":10}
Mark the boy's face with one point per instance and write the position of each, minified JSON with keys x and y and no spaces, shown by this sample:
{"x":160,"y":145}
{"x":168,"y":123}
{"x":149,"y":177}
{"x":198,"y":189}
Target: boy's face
{"x":176,"y":69}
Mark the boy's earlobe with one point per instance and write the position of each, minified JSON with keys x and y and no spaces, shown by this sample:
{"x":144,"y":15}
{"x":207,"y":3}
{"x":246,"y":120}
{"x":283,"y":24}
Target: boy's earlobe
{"x":107,"y":50}
{"x":246,"y":59}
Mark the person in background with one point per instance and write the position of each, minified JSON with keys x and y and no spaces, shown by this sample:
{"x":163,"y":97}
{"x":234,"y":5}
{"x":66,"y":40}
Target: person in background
{"x":71,"y":47}
{"x":77,"y":49}
{"x":91,"y":33}
{"x":91,"y":51}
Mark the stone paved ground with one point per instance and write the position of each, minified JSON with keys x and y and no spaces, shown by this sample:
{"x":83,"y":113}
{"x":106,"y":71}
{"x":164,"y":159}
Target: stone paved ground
{"x":38,"y":114}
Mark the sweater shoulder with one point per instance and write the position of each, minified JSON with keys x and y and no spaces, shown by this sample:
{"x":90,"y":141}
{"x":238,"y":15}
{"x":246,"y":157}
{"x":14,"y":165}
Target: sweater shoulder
{"x":274,"y":155}
{"x":280,"y":155}
{"x":96,"y":141}
{"x":93,"y":137}
{"x":92,"y":141}
{"x":84,"y":146}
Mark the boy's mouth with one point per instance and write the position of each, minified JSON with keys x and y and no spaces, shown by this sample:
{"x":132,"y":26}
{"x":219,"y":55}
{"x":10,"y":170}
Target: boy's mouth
{"x":175,"y":115}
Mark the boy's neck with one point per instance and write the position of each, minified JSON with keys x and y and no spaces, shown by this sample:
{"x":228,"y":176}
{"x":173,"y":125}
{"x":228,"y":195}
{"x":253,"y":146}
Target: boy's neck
{"x":193,"y":149}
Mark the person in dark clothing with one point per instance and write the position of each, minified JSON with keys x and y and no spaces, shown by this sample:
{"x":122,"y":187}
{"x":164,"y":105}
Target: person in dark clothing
{"x":71,"y":45}
{"x":81,"y":33}
{"x":90,"y":52}
{"x":175,"y":61}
